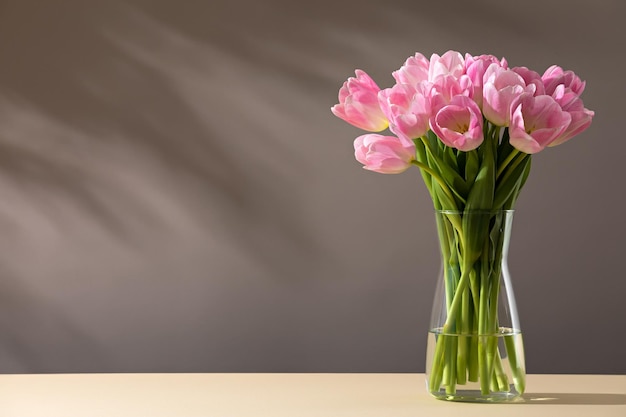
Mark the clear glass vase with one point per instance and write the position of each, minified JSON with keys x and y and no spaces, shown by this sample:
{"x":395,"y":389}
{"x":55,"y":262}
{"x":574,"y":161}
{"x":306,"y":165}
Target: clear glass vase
{"x":475,"y":350}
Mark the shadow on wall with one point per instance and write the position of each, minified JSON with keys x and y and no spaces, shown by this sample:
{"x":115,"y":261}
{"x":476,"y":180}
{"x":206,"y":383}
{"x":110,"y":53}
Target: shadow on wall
{"x":120,"y":123}
{"x":94,"y":97}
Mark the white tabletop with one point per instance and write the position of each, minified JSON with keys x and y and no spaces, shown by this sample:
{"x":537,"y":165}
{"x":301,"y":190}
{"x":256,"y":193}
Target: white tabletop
{"x":292,"y":395}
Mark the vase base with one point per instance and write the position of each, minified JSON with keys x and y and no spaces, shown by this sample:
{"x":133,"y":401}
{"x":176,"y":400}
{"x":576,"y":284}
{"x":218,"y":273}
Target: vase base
{"x":477,"y":397}
{"x":458,"y":377}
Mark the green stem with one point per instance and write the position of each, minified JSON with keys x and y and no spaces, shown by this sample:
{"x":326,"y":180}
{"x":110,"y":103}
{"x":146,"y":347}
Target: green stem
{"x":483,"y":339}
{"x":441,"y":368}
{"x":506,"y":162}
{"x":473,"y":353}
{"x":519,"y":374}
{"x":451,"y":365}
{"x":446,"y":172}
{"x":456,"y":302}
{"x":464,"y":320}
{"x":436,"y":373}
{"x":436,"y":177}
{"x":518,"y":160}
{"x":475,"y":290}
{"x":501,"y":380}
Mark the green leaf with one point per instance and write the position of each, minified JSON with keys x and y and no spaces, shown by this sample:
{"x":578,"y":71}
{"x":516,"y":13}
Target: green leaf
{"x":449,"y":158}
{"x":461,"y":157}
{"x":508,"y":187}
{"x":505,"y":147}
{"x":479,"y":204}
{"x":453,"y":180}
{"x":496,"y":237}
{"x":444,"y":201}
{"x":433,"y":141}
{"x":526,"y":173}
{"x":421,"y":156}
{"x":511,"y":202}
{"x":471,"y":166}
{"x":482,"y":192}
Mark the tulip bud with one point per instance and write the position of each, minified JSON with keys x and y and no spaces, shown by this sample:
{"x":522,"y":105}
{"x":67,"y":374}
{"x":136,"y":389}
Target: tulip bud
{"x":383,"y":154}
{"x":358,"y":103}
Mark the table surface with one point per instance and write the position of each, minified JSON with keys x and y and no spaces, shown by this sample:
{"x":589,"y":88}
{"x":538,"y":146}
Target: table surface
{"x":293,"y":395}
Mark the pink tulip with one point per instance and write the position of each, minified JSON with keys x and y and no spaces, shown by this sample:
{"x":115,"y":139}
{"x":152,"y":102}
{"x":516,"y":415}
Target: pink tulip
{"x":581,"y":120}
{"x":565,"y":97}
{"x":536,"y":122}
{"x":475,"y":67}
{"x":407,"y":108}
{"x":566,"y":88}
{"x":531,"y":77}
{"x":460,"y":124}
{"x":450,"y":63}
{"x":501,"y":87}
{"x":358,"y":103}
{"x":414,"y":70}
{"x":555,"y":76}
{"x":383,"y":154}
{"x":445,"y":87}
{"x":488,"y":59}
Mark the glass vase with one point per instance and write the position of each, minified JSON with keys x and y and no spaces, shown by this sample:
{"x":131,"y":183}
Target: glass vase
{"x":475,"y":350}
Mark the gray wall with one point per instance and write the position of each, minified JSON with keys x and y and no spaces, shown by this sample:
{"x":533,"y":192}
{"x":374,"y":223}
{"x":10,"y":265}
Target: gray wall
{"x":177,"y":197}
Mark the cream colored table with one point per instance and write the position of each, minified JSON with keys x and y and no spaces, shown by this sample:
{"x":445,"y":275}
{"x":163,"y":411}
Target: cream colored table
{"x":291,"y":395}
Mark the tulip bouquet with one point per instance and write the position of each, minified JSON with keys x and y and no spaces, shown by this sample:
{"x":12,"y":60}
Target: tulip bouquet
{"x":471,"y":125}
